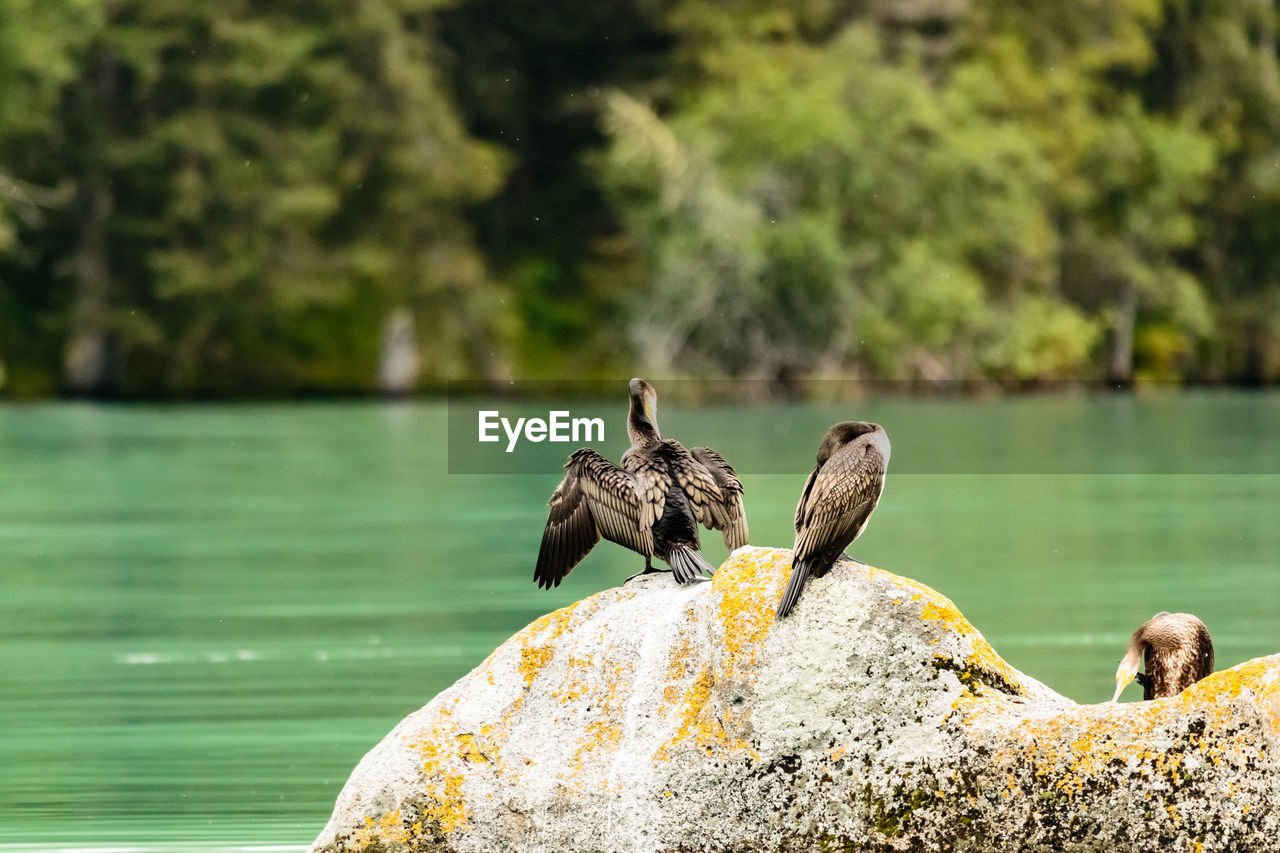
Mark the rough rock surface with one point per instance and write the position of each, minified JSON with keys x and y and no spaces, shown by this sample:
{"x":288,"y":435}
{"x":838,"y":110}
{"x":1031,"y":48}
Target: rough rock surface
{"x":658,"y":718}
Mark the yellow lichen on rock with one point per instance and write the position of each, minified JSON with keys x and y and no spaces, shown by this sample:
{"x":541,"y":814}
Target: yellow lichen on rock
{"x":661,"y":717}
{"x":603,"y":730}
{"x":388,"y":829}
{"x":748,"y":587}
{"x":936,"y":607}
{"x":692,"y":704}
{"x":443,"y":773}
{"x":1158,"y":742}
{"x":677,"y":670}
{"x":532,"y":660}
{"x":1260,"y":676}
{"x":537,"y":641}
{"x":700,"y":724}
{"x":577,"y":681}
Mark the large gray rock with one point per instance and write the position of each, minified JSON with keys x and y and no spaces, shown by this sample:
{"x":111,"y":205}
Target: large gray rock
{"x":658,"y":718}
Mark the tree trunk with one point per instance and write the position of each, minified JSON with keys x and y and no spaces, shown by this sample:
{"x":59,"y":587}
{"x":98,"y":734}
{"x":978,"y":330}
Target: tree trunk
{"x":1122,"y":340}
{"x":398,"y":361}
{"x":88,"y":360}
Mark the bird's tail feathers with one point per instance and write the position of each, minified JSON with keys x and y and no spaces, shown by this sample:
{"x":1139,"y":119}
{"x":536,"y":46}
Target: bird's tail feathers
{"x":799,"y":574}
{"x":687,"y":563}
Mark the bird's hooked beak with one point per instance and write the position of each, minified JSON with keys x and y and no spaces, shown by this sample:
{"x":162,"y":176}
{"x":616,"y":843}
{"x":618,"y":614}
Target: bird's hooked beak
{"x":1125,"y":673}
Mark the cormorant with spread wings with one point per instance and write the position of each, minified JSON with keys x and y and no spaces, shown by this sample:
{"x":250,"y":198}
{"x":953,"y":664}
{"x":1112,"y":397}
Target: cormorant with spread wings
{"x":839,"y":497}
{"x":652,"y":504}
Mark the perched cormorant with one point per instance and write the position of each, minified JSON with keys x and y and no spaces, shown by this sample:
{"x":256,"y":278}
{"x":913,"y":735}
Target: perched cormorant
{"x":652,"y":504}
{"x":838,"y":499}
{"x":1178,"y":653}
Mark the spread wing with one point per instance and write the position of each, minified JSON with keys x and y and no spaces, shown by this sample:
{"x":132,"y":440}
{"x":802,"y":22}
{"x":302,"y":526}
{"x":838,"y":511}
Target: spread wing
{"x":596,"y":498}
{"x":727,"y":514}
{"x":838,"y":499}
{"x":693,"y":479}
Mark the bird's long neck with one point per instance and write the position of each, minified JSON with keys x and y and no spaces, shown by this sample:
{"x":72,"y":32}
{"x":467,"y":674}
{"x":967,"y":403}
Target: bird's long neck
{"x":1133,"y":657}
{"x":642,"y":435}
{"x":642,"y":427}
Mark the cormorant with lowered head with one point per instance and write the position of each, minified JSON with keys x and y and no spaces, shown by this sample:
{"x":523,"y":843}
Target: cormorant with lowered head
{"x":838,"y":499}
{"x":652,"y":504}
{"x":1177,"y":652}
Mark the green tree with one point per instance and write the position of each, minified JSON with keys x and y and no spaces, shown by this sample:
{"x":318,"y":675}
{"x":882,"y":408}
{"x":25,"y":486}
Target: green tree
{"x":526,"y":75}
{"x":822,"y":207}
{"x":1127,"y":181}
{"x":1218,"y":67}
{"x":40,"y":43}
{"x":256,"y":187}
{"x":971,"y":191}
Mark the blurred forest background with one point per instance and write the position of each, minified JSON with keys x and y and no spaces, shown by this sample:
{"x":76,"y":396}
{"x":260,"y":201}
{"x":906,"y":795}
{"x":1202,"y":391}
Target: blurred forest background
{"x":257,"y":197}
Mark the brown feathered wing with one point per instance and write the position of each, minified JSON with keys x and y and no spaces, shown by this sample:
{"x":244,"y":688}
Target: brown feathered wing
{"x":837,"y":500}
{"x":596,"y":498}
{"x":727,"y":514}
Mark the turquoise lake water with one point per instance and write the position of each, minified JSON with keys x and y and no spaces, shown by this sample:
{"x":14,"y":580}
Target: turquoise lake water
{"x":212,"y":612}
